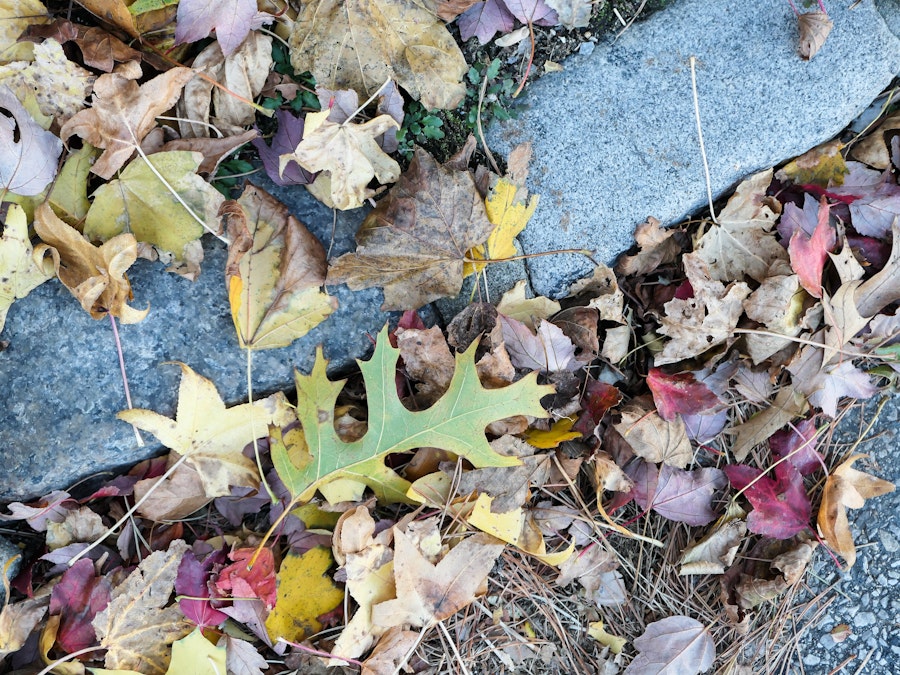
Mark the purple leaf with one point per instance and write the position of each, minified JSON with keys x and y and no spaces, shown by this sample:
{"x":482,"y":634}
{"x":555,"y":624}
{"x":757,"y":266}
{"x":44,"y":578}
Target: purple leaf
{"x":285,"y":141}
{"x":703,"y":428}
{"x":231,"y":19}
{"x":78,"y":597}
{"x":537,"y":12}
{"x":798,"y":443}
{"x":795,"y":219}
{"x":548,"y":351}
{"x":193,"y":580}
{"x":679,"y":495}
{"x":484,"y":20}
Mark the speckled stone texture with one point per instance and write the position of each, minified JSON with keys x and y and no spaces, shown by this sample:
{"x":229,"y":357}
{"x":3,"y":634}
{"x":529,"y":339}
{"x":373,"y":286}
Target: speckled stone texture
{"x":60,"y":373}
{"x":614,"y":134}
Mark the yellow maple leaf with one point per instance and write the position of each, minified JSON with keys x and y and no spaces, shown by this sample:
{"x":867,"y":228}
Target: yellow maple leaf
{"x":305,"y":592}
{"x":509,"y":213}
{"x":210,"y":436}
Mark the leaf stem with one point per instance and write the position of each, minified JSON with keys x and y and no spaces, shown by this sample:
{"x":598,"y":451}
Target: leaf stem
{"x":262,"y":475}
{"x":67,"y":658}
{"x":530,"y":61}
{"x":137,"y":433}
{"x":129,"y":512}
{"x":368,"y":101}
{"x":709,"y":196}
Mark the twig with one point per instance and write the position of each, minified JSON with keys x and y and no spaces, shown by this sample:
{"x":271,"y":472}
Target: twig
{"x":478,"y":127}
{"x":137,"y":433}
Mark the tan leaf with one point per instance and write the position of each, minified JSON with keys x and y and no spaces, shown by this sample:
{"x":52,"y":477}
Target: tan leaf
{"x":708,"y":319}
{"x":80,"y":525}
{"x":214,"y":150}
{"x":778,"y":305}
{"x":788,"y":405}
{"x":123,"y":112}
{"x":883,"y":287}
{"x":589,"y":567}
{"x":845,"y":488}
{"x":19,"y":619}
{"x":180,"y":495}
{"x":137,"y":626}
{"x":242,"y":75}
{"x":350,"y":155}
{"x":657,"y":246}
{"x":514,"y":304}
{"x":715,"y":552}
{"x":274,"y":273}
{"x":429,"y":592}
{"x":15,"y":17}
{"x":427,"y":359}
{"x":350,"y":44}
{"x":842,"y":318}
{"x":392,"y":650}
{"x":94,"y":275}
{"x":508,"y":485}
{"x":872,"y":149}
{"x":653,"y":438}
{"x":414,"y":243}
{"x":211,"y":436}
{"x":742,"y":243}
{"x":814,"y":30}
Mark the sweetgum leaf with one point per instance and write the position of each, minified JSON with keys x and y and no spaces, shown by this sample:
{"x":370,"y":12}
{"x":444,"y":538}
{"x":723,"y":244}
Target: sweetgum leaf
{"x":455,"y":423}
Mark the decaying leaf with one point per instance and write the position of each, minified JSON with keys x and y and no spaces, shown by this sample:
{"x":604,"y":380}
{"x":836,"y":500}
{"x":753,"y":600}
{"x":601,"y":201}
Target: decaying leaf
{"x":15,"y":17}
{"x":653,"y":438}
{"x":547,"y":350}
{"x":274,"y":285}
{"x":28,"y":153}
{"x":676,"y":644}
{"x":679,"y":393}
{"x":94,"y":275}
{"x":211,"y":436}
{"x":230,"y":19}
{"x":123,"y":112}
{"x":415,"y":241}
{"x":429,"y":592}
{"x":19,"y":273}
{"x":18,"y":620}
{"x":823,"y":165}
{"x":349,"y":155}
{"x":815,"y":27}
{"x":137,"y":627}
{"x":872,"y":149}
{"x":359,"y":45}
{"x":455,"y":423}
{"x":715,"y":552}
{"x":845,"y":488}
{"x":657,"y":245}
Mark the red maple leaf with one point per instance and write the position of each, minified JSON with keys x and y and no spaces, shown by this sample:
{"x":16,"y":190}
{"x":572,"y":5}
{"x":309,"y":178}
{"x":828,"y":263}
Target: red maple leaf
{"x":596,"y":401}
{"x":679,"y":393}
{"x":781,"y":508}
{"x":239,"y":581}
{"x":78,"y":597}
{"x":808,"y":254}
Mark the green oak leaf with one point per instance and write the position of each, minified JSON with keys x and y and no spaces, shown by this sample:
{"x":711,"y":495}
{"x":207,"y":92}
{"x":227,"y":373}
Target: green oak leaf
{"x":455,"y":423}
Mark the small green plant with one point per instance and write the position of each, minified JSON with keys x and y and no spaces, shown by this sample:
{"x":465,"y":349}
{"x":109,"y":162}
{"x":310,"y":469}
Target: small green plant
{"x":497,"y":94}
{"x":306,"y":99}
{"x":419,"y":126}
{"x":230,"y":174}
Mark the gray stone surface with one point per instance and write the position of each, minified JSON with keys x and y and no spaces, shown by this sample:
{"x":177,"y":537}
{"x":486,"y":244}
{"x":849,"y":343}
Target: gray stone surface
{"x":615,"y":137}
{"x":890,"y":11}
{"x":60,"y":373}
{"x":867,"y":598}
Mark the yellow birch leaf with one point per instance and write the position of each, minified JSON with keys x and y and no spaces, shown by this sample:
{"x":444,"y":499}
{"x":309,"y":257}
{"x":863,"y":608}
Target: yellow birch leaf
{"x":509,"y":215}
{"x":515,"y":527}
{"x":274,"y":273}
{"x":560,"y":431}
{"x":305,"y":592}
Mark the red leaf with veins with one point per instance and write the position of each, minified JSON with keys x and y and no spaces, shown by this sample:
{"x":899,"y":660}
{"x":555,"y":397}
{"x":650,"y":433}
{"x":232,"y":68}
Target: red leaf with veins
{"x":259,"y":582}
{"x":679,"y":393}
{"x":781,"y":508}
{"x":193,"y":581}
{"x":78,"y":597}
{"x":597,"y":400}
{"x":798,"y":444}
{"x":808,"y":254}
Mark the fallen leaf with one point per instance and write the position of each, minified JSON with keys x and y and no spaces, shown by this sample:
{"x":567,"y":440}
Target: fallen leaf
{"x":882,"y":288}
{"x":797,"y":444}
{"x":842,"y":318}
{"x":415,"y":241}
{"x":484,"y":20}
{"x":196,"y":655}
{"x":742,"y":243}
{"x":808,"y":254}
{"x":788,"y":404}
{"x":193,"y":582}
{"x":429,"y":592}
{"x":653,"y":438}
{"x":778,"y":304}
{"x":19,"y":273}
{"x":102,"y":50}
{"x":872,"y":149}
{"x":391,"y":652}
{"x":598,"y":399}
{"x":240,"y":580}
{"x":140,"y":203}
{"x":393,"y":428}
{"x":305,"y":592}
{"x":68,"y":196}
{"x":242,"y":76}
{"x":676,"y":494}
{"x":123,"y":112}
{"x":427,"y":360}
{"x":507,"y":486}
{"x":349,"y":154}
{"x":781,"y":507}
{"x":211,"y":437}
{"x":559,"y":431}
{"x":286,"y":138}
{"x":679,"y":393}
{"x":179,"y":495}
{"x":535,"y":12}
{"x":845,"y":488}
{"x":214,"y":150}
{"x":357,"y":45}
{"x":597,"y":631}
{"x":549,"y":350}
{"x":274,"y":288}
{"x":28,"y":154}
{"x":676,"y":644}
{"x":509,"y":213}
{"x":94,"y":275}
{"x":15,"y":17}
{"x":814,"y":28}
{"x":589,"y":567}
{"x":137,"y":626}
{"x":571,"y":13}
{"x":516,"y":306}
{"x":230,"y":19}
{"x":242,"y":657}
{"x":706,"y":320}
{"x":79,"y":525}
{"x":18,"y":620}
{"x":825,"y":384}
{"x":656,"y":246}
{"x":51,"y":508}
{"x":716,"y":551}
{"x":55,"y":83}
{"x":823,"y":166}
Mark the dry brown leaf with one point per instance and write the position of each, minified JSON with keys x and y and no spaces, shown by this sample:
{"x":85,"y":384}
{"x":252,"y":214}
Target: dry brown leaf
{"x":653,"y":438}
{"x":180,"y":495}
{"x":94,"y":275}
{"x":429,"y":592}
{"x":392,"y":650}
{"x":427,"y":359}
{"x":80,"y":525}
{"x":715,"y":552}
{"x":350,"y":156}
{"x":123,"y":112}
{"x":214,"y":150}
{"x":815,"y":28}
{"x":657,"y":246}
{"x":703,"y":321}
{"x":872,"y":149}
{"x":508,"y":485}
{"x":788,"y":405}
{"x":778,"y":305}
{"x":242,"y":76}
{"x":742,"y":243}
{"x":589,"y":566}
{"x":137,"y":628}
{"x":845,"y":488}
{"x":842,"y":318}
{"x":415,"y":241}
{"x":350,"y":44}
{"x":18,"y":620}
